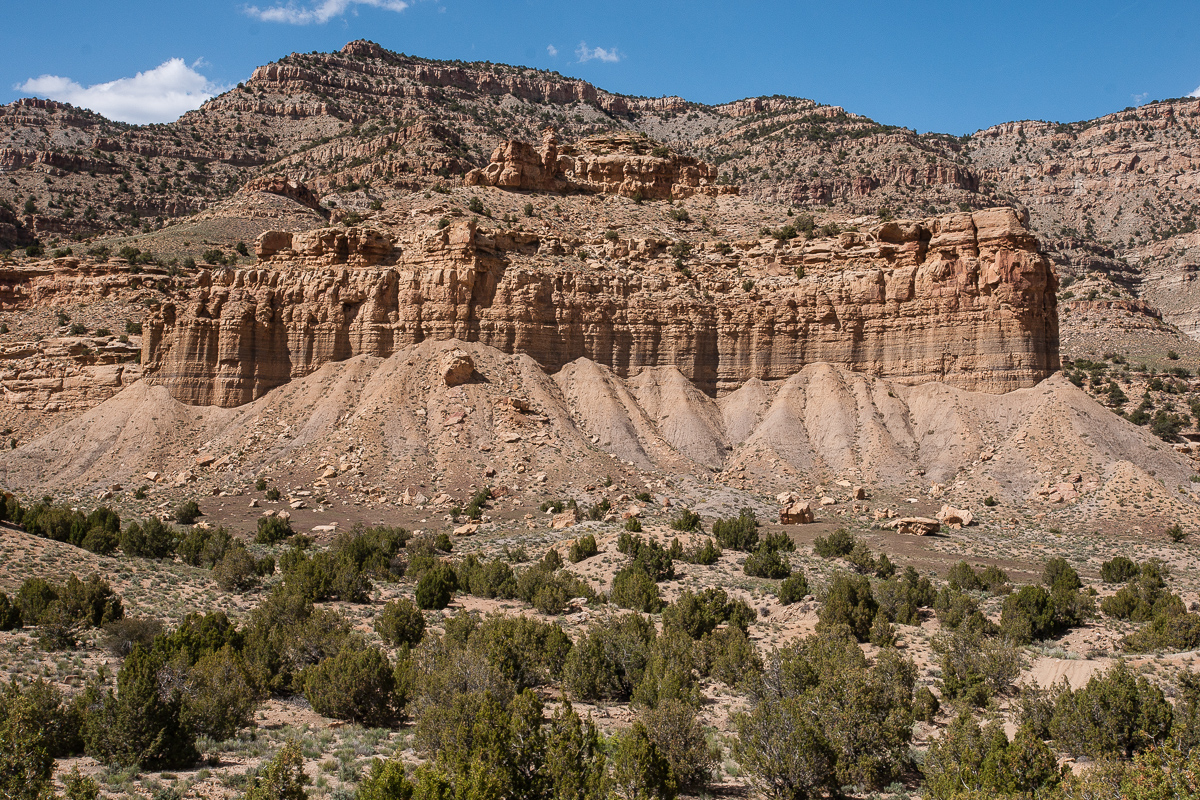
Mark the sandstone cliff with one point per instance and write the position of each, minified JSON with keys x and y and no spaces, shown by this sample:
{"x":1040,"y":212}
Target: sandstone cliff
{"x":965,"y":298}
{"x":624,"y":164}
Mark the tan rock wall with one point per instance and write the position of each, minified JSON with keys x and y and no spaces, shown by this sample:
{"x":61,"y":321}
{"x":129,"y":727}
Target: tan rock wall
{"x":966,"y":299}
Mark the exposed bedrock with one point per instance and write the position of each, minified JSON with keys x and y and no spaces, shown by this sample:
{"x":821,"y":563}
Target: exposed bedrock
{"x":967,"y":299}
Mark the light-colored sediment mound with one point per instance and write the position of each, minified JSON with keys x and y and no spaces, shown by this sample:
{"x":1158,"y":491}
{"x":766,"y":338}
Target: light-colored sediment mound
{"x":394,"y":422}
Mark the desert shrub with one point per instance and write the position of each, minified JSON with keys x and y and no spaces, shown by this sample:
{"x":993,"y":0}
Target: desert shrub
{"x":738,"y":533}
{"x":836,"y":545}
{"x":526,"y":652}
{"x":639,"y":770}
{"x":141,"y":723}
{"x":576,"y":762}
{"x":670,"y":672}
{"x":633,"y":525}
{"x":204,"y":547}
{"x":793,"y":589}
{"x":609,"y":660}
{"x":955,"y":609}
{"x":728,"y":656}
{"x":325,"y":575}
{"x":436,"y":587}
{"x":673,"y":728}
{"x":902,"y":597}
{"x":186,"y":512}
{"x":686,"y":521}
{"x":884,"y":568}
{"x":765,"y":562}
{"x":273,"y":494}
{"x":969,"y":761}
{"x":284,"y":634}
{"x":925,"y":704}
{"x":705,"y":555}
{"x":634,"y":588}
{"x":963,"y":578}
{"x":1167,"y":631}
{"x":1144,"y":597}
{"x":1058,"y":574}
{"x":583,"y":548}
{"x":356,"y":684}
{"x":848,"y":601}
{"x":98,"y":531}
{"x":26,"y":762}
{"x":1028,"y":614}
{"x":41,"y":703}
{"x":400,"y":623}
{"x":236,"y":571}
{"x":34,"y":598}
{"x":861,"y":559}
{"x":550,"y":589}
{"x":883,"y":633}
{"x":87,"y":603}
{"x":1118,"y":570}
{"x":697,"y":614}
{"x":1115,"y":714}
{"x":282,"y":778}
{"x":151,"y":539}
{"x":122,"y":635}
{"x":487,"y":578}
{"x":823,"y":716}
{"x":975,"y":668}
{"x":375,"y":550}
{"x":219,"y":695}
{"x":272,"y":529}
{"x":10,"y":614}
{"x":650,"y":556}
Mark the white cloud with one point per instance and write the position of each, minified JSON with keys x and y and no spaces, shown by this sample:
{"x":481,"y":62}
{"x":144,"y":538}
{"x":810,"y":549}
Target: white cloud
{"x":1195,"y":93}
{"x":552,"y":50}
{"x":1138,"y":99}
{"x":161,"y":94}
{"x":319,"y":12}
{"x":585,"y":53}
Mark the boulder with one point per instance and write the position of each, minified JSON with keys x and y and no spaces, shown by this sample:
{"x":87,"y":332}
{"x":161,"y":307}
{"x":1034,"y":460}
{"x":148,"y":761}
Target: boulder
{"x":456,"y":367}
{"x":564,"y":520}
{"x":799,"y":513}
{"x":915,"y":526}
{"x":955,"y":517}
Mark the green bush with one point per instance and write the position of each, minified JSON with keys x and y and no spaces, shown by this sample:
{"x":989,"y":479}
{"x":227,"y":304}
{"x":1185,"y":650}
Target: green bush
{"x":836,"y":545}
{"x":401,"y":623}
{"x":436,"y":587}
{"x":699,"y":614}
{"x":282,"y":778}
{"x":902,"y":597}
{"x":822,"y":717}
{"x":640,"y":771}
{"x":584,"y":548}
{"x":969,"y":761}
{"x":219,"y":696}
{"x":609,"y":660}
{"x":634,"y":588}
{"x":793,"y":589}
{"x":10,"y":614}
{"x":1115,"y":714}
{"x":739,"y":533}
{"x":705,"y":555}
{"x":728,"y":656}
{"x":489,"y":579}
{"x":1028,"y":614}
{"x":272,"y":530}
{"x":141,"y":723}
{"x":151,"y":539}
{"x":651,"y":557}
{"x":526,"y":652}
{"x":861,"y":559}
{"x":686,"y":521}
{"x":1173,"y":632}
{"x":633,"y":525}
{"x":186,"y":512}
{"x":357,"y":684}
{"x":204,"y":547}
{"x":765,"y":562}
{"x":1118,"y":570}
{"x":975,"y":668}
{"x":236,"y":571}
{"x":848,"y":601}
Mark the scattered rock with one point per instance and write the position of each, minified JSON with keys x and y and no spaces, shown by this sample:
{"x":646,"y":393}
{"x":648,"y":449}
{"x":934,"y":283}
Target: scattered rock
{"x":797,"y":513}
{"x":456,"y":367}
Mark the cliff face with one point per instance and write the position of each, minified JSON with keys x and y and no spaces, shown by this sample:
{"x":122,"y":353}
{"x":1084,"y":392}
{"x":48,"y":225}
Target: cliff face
{"x":623,"y":164}
{"x":965,"y":298}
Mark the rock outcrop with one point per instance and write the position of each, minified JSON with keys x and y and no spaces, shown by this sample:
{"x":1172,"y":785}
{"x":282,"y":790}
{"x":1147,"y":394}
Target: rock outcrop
{"x":965,"y":298}
{"x":625,"y":164}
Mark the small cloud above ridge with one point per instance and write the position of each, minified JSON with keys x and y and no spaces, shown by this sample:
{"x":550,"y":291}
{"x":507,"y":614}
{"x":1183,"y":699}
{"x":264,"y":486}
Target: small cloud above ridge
{"x":552,"y":50}
{"x":585,"y":53}
{"x":162,"y":94}
{"x":319,"y":12}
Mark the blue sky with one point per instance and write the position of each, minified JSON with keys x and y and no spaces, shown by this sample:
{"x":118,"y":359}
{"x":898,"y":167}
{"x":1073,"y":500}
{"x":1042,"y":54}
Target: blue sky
{"x":932,"y":65}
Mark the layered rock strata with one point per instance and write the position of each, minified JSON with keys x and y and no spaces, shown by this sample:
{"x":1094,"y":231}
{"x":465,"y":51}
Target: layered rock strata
{"x":967,"y":299}
{"x":625,"y":164}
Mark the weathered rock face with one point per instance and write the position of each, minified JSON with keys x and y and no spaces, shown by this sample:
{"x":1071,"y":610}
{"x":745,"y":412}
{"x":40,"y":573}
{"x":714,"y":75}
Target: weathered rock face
{"x":277,"y":184}
{"x":964,"y":298}
{"x":623,"y":164}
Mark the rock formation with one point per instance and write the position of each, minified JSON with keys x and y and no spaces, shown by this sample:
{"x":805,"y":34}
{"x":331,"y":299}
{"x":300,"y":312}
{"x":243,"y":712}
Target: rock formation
{"x":965,"y":298}
{"x":625,"y":164}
